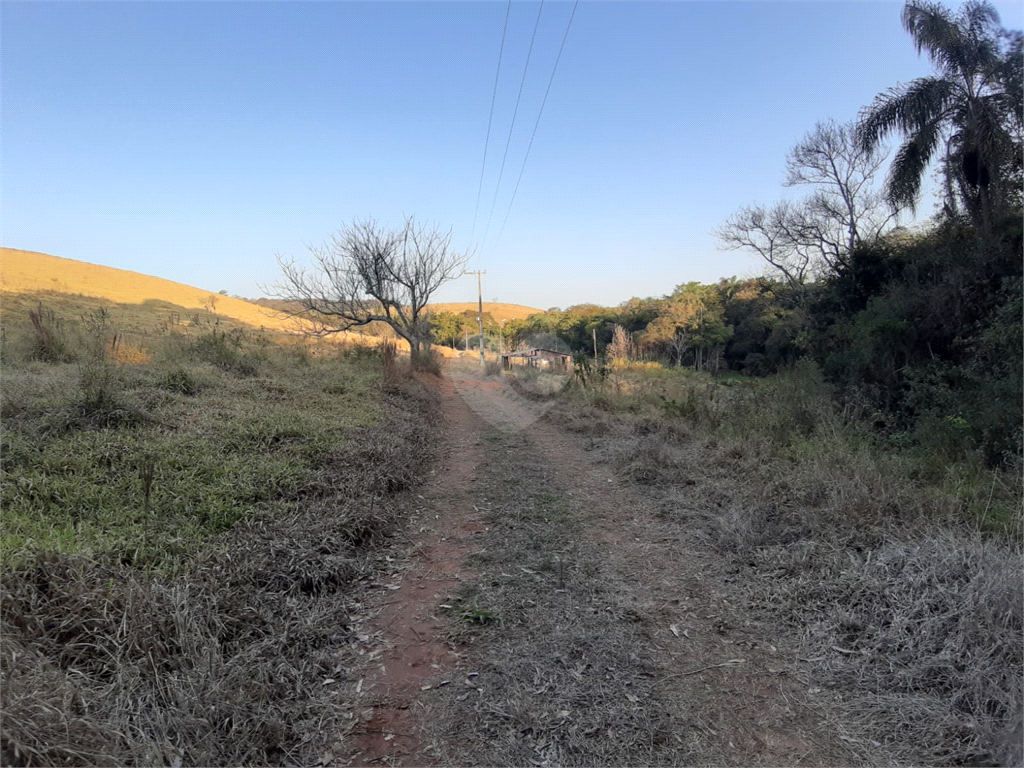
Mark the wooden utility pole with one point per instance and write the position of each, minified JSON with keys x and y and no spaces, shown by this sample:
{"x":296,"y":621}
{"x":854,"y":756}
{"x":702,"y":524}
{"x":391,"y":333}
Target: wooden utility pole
{"x":480,"y":308}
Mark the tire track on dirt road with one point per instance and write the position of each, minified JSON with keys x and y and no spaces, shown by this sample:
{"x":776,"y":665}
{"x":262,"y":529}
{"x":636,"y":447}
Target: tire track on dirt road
{"x":614,"y":639}
{"x":699,"y":680}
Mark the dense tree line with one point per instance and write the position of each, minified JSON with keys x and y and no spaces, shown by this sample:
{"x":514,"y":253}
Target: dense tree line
{"x":742,"y":325}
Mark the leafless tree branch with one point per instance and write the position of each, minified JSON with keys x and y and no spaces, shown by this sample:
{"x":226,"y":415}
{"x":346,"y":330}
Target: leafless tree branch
{"x":369,"y":273}
{"x":815,"y":237}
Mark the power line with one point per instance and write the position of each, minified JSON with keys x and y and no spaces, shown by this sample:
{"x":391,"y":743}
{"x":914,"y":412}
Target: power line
{"x":508,"y":141}
{"x":490,"y":117}
{"x":536,"y":124}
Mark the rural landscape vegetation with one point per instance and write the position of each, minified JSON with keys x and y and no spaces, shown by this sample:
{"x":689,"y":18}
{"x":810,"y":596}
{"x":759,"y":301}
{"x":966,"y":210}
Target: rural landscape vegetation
{"x":775,"y":520}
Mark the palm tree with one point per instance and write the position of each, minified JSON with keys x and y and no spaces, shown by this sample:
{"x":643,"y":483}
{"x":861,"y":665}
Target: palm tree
{"x":971,"y":108}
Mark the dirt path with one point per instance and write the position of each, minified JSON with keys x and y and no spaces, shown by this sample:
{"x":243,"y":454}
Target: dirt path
{"x":541,"y":612}
{"x":404,"y":639}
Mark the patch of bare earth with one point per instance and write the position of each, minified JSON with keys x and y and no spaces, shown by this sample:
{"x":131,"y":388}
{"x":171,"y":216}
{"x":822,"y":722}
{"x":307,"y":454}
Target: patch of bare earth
{"x":403,"y":633}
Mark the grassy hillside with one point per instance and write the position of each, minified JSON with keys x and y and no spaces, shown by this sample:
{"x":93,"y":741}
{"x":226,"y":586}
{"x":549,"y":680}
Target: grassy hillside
{"x":75,"y":287}
{"x":498,"y":311}
{"x":28,"y":272}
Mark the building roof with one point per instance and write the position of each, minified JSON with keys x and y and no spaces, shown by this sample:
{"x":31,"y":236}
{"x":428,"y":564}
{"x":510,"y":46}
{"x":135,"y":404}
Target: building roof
{"x":534,"y":353}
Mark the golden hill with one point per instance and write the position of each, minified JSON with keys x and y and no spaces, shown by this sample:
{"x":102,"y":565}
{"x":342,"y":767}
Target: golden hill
{"x":498,"y":311}
{"x":31,"y":272}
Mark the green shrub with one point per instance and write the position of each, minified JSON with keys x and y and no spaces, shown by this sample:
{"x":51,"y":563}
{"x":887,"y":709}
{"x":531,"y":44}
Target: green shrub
{"x":181,"y":381}
{"x":358,"y":352}
{"x":224,"y":350}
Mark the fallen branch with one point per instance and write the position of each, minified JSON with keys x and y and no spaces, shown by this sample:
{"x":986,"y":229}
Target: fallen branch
{"x":729,"y":663}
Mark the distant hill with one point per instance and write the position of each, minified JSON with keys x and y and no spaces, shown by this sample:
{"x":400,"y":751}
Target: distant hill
{"x":498,"y":311}
{"x":31,"y":272}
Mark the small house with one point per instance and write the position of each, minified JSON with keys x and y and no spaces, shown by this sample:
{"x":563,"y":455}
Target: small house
{"x":545,"y":359}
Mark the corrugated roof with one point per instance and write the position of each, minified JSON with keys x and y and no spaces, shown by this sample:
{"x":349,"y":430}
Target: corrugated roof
{"x":533,"y":353}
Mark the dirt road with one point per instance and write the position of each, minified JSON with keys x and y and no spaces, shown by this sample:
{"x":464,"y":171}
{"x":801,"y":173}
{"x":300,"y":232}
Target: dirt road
{"x":542,"y":612}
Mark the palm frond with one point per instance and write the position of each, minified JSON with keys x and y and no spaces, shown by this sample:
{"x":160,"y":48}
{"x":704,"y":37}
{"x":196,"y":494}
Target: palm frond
{"x":907,"y":108}
{"x":982,"y":126}
{"x":934,"y":31}
{"x":994,"y":144}
{"x":1010,"y":74}
{"x":960,"y":46}
{"x":908,"y":166}
{"x":978,"y":18}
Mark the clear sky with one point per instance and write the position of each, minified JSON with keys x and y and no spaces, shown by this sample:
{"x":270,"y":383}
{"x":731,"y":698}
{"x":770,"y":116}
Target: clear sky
{"x":194,"y":141}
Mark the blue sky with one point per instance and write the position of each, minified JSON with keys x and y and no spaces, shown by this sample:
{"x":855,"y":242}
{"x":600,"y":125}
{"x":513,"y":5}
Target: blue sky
{"x":194,"y":141}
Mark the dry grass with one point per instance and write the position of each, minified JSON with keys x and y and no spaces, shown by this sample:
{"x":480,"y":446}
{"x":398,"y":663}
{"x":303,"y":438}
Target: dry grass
{"x":584,"y":420}
{"x":913,"y":615}
{"x":224,"y":665}
{"x":922,"y":636}
{"x":52,"y":278}
{"x":652,"y":455}
{"x":535,"y":383}
{"x":562,"y":675}
{"x":131,"y":633}
{"x":30,"y":272}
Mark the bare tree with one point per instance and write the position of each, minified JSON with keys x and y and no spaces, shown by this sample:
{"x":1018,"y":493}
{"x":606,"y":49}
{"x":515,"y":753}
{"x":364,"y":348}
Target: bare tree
{"x":777,"y":234}
{"x":622,"y":347}
{"x":816,"y":236}
{"x":368,"y":273}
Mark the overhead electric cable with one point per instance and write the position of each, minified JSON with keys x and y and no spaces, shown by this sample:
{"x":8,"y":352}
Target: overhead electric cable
{"x":490,"y":117}
{"x":536,"y":124}
{"x":515,"y":111}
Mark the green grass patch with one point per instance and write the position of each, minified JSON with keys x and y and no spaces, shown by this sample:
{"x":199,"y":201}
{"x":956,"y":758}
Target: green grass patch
{"x":219,"y":448}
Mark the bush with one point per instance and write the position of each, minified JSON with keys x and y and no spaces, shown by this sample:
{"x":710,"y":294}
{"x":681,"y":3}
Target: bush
{"x":181,"y":381}
{"x":224,"y":350}
{"x":358,"y":352}
{"x":587,"y":372}
{"x":429,"y":362}
{"x":52,"y":341}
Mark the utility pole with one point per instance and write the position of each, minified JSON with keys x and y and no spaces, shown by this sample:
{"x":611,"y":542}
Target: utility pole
{"x":480,"y":308}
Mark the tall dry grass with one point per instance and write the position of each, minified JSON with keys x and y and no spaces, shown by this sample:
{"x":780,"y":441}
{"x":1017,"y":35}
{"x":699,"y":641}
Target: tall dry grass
{"x":896,"y":571}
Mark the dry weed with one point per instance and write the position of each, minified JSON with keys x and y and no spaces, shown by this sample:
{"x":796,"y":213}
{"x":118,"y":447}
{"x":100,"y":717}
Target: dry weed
{"x":913,"y":618}
{"x":926,"y":634}
{"x":649,"y":460}
{"x":585,"y":420}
